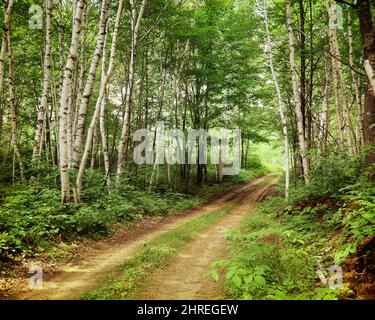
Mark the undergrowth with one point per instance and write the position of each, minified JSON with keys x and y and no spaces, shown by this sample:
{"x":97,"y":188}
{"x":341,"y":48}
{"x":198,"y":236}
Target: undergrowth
{"x":286,"y":248}
{"x":32,"y":219}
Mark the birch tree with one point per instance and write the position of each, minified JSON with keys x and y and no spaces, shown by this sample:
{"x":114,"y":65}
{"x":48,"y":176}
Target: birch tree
{"x":136,"y":19}
{"x":46,"y":83}
{"x":280,"y":103}
{"x":12,"y":103}
{"x":64,"y":100}
{"x":335,"y":51}
{"x":324,"y":119}
{"x":366,"y":25}
{"x":100,"y":102}
{"x":338,"y":109}
{"x":90,"y":84}
{"x":296,"y":95}
{"x":355,"y":85}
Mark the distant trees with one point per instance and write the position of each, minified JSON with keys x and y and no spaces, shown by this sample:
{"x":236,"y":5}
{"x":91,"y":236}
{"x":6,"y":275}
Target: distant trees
{"x":98,"y":71}
{"x":136,"y":18}
{"x":339,"y":117}
{"x":166,"y":61}
{"x":12,"y":96}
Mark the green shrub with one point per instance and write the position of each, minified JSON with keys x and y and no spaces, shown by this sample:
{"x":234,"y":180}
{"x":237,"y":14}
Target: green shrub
{"x":90,"y":222}
{"x":268,"y":261}
{"x":329,"y":173}
{"x":358,"y":217}
{"x":31,"y":216}
{"x":26,"y":220}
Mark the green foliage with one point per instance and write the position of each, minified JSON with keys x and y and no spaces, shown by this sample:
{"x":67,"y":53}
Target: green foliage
{"x":358,"y":218}
{"x":329,"y":173}
{"x":268,"y":262}
{"x":273,"y":254}
{"x":27,"y":219}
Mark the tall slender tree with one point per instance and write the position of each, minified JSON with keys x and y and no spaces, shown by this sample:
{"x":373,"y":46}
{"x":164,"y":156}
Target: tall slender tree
{"x":64,"y":102}
{"x":46,"y":83}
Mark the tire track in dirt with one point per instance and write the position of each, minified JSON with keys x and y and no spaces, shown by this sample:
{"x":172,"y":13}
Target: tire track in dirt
{"x":184,"y":278}
{"x":79,"y":276}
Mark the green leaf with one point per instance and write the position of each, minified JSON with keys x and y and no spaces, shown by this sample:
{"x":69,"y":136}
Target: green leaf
{"x":260,"y":280}
{"x":236,"y":281}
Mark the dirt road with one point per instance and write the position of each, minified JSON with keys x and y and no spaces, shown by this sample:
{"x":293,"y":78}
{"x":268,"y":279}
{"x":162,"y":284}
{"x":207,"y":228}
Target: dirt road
{"x":185,"y":277}
{"x":182,"y":279}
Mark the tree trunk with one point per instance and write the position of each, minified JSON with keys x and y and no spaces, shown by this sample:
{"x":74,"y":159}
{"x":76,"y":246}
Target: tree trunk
{"x":2,"y":57}
{"x":99,"y":103}
{"x":64,"y":100}
{"x":80,"y":81}
{"x":135,"y":24}
{"x":324,"y":119}
{"x":296,"y":96}
{"x":355,"y":85}
{"x":368,"y":40}
{"x":339,"y":121}
{"x":12,"y":106}
{"x":303,"y":67}
{"x":46,"y":82}
{"x":280,"y":104}
{"x":346,"y":121}
{"x":90,"y":84}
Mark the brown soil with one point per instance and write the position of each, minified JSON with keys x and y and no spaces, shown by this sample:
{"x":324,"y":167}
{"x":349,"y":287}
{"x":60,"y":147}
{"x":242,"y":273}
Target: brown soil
{"x":90,"y":266}
{"x":361,"y":271}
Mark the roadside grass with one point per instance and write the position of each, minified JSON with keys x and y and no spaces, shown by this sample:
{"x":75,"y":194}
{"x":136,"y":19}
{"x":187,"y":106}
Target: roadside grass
{"x":275,"y":258}
{"x":127,"y":279}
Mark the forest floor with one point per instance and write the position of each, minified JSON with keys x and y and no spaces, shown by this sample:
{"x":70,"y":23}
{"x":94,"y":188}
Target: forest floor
{"x":182,"y":277}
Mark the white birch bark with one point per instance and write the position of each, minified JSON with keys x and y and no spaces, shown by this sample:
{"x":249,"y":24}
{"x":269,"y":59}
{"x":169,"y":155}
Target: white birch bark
{"x":296,"y":95}
{"x":104,"y":142}
{"x":135,"y":24}
{"x":90,"y":84}
{"x":99,"y":103}
{"x":46,"y":84}
{"x":93,"y":153}
{"x":280,"y":104}
{"x":324,"y":119}
{"x":12,"y":105}
{"x":338,"y":111}
{"x":62,"y":61}
{"x":64,"y":107}
{"x":80,"y":81}
{"x":346,"y":121}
